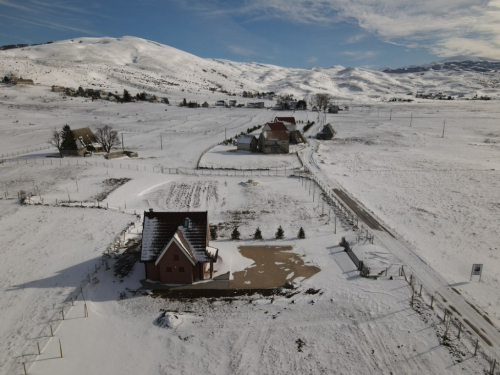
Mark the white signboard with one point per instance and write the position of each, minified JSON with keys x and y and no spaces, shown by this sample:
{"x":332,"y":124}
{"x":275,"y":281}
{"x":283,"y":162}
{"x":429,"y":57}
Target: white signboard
{"x":477,"y":269}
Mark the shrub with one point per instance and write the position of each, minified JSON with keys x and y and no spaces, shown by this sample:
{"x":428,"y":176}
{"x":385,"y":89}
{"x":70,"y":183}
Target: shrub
{"x":235,"y":234}
{"x":280,"y":234}
{"x":301,"y":234}
{"x":258,"y":234}
{"x":213,"y":233}
{"x":307,"y":126}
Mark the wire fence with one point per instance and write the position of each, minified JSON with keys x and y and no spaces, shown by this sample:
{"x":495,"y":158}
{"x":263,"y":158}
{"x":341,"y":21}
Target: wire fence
{"x":27,"y":151}
{"x":161,"y":169}
{"x":76,"y":299}
{"x":456,"y":328}
{"x":457,"y":332}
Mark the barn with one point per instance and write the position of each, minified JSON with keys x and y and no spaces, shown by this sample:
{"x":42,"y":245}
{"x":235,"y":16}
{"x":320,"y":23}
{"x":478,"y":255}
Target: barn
{"x":327,"y":133}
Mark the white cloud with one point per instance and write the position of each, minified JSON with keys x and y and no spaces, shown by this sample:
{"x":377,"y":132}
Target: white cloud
{"x":241,"y":50}
{"x":312,"y":59}
{"x":445,"y":27}
{"x":355,"y":38}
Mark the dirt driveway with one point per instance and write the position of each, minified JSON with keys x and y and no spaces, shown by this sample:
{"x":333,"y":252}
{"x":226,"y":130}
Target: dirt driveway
{"x":272,"y":267}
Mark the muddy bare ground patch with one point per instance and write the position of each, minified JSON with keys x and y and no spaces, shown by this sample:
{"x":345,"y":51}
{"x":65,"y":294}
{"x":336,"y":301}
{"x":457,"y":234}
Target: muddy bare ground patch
{"x":273,"y":266}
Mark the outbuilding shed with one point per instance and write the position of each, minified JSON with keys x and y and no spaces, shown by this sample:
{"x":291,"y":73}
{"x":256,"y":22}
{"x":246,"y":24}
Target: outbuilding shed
{"x":247,"y":142}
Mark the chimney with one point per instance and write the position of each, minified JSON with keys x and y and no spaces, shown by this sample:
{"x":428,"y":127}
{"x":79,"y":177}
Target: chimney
{"x":150,"y":210}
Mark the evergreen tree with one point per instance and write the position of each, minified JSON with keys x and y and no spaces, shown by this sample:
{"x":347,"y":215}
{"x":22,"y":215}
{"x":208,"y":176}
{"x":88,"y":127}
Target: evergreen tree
{"x":126,"y":96}
{"x":68,"y":138}
{"x":301,"y":234}
{"x":6,"y":79}
{"x":184,"y":103}
{"x":235,"y":235}
{"x":213,"y":233}
{"x":258,"y":234}
{"x":280,"y":234}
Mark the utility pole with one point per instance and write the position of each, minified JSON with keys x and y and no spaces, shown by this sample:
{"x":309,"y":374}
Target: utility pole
{"x":411,"y":118}
{"x":390,"y":115}
{"x":444,"y":125}
{"x":225,"y":134}
{"x":123,"y":146}
{"x":161,"y":143}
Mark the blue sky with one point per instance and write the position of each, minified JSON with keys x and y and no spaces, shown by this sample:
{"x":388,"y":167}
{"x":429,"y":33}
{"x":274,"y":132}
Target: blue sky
{"x":292,"y":33}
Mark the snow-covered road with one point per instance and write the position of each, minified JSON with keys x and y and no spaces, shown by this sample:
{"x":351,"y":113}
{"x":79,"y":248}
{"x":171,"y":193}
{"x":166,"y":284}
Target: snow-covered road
{"x":469,"y":315}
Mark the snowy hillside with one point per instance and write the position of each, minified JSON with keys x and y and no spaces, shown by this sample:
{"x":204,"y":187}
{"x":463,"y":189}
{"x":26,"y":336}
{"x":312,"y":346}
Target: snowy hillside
{"x":115,"y":62}
{"x":139,"y":64}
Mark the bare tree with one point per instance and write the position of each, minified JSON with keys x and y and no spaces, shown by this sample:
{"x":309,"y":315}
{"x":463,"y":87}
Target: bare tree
{"x":56,"y":140}
{"x":107,"y":137}
{"x":321,"y":101}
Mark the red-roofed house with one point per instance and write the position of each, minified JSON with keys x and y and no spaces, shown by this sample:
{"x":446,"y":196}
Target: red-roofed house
{"x":289,"y":122}
{"x":274,"y":139}
{"x":274,"y":126}
{"x":175,"y":247}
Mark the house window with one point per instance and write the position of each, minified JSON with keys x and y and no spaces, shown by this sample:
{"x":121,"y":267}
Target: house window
{"x":169,"y":269}
{"x":176,"y":256}
{"x":181,"y":269}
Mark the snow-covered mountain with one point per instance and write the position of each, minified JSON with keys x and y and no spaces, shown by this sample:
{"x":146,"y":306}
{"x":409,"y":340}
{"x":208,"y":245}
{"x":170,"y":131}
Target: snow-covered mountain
{"x":138,"y":64}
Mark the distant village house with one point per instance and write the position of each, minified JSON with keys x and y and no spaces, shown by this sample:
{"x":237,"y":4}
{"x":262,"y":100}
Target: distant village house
{"x":85,"y":141}
{"x":288,"y":121}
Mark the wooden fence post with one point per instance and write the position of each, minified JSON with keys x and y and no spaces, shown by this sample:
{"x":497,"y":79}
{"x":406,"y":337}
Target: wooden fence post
{"x":24,"y":367}
{"x":51,"y":331}
{"x":38,"y":347}
{"x":62,"y":312}
{"x":60,"y":348}
{"x":475,"y":349}
{"x":459,"y":330}
{"x":432,"y":301}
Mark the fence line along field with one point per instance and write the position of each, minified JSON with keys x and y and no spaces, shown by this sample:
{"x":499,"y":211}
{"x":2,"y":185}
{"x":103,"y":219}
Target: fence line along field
{"x":436,"y":192}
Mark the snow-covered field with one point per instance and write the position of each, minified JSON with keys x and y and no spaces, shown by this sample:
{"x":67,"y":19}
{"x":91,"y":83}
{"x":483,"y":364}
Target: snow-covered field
{"x":441,"y":194}
{"x":228,"y":157}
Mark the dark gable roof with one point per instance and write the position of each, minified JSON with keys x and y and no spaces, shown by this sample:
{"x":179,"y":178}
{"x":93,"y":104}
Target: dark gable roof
{"x":327,"y":129}
{"x":160,"y":227}
{"x":85,"y":134}
{"x":277,"y":126}
{"x":291,"y":120}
